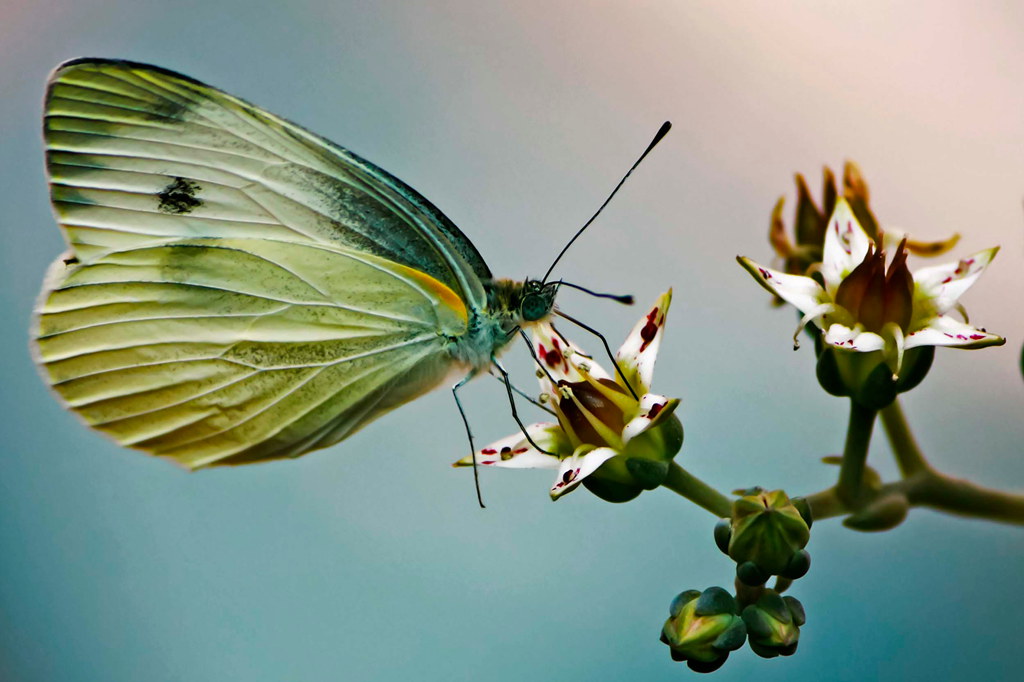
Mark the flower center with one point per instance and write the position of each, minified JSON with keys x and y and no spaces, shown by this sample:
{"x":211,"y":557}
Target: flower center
{"x":876,"y":297}
{"x":587,"y":404}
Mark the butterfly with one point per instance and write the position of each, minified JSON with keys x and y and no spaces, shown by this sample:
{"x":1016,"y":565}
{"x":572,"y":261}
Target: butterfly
{"x":238,"y":289}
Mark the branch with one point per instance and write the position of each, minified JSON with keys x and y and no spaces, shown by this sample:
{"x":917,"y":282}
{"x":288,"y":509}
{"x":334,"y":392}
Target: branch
{"x":681,"y":481}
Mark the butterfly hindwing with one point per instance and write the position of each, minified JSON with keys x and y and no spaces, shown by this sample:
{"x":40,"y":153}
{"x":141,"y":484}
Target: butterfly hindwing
{"x":225,"y":351}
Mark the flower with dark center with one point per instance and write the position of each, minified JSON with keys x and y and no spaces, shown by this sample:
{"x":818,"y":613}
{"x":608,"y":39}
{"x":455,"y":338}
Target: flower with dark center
{"x":616,"y":444}
{"x":861,"y":306}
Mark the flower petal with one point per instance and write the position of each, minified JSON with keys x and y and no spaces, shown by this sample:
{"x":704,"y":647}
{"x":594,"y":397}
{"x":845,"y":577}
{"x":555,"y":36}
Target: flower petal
{"x":637,"y":355}
{"x":654,"y":409}
{"x":577,"y":467}
{"x":947,"y":331}
{"x":802,"y":292}
{"x":938,"y":288}
{"x":515,"y":452}
{"x":562,"y":359}
{"x":846,"y":242}
{"x":856,"y":339}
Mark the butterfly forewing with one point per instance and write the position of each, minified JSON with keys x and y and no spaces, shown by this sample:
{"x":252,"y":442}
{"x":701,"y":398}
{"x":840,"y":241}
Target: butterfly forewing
{"x":137,"y":153}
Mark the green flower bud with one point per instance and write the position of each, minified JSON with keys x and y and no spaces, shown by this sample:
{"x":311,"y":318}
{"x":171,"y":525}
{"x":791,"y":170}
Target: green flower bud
{"x":798,"y":566}
{"x":882,"y":513}
{"x":723,"y":533}
{"x":751,"y":574}
{"x":773,"y":624}
{"x":768,"y":532}
{"x":703,"y":627}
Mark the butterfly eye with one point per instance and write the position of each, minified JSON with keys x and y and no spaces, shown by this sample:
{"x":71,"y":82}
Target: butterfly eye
{"x":535,"y":306}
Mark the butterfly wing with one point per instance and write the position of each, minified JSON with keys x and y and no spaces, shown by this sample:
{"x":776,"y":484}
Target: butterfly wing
{"x":237,"y":288}
{"x":227,"y":351}
{"x":137,"y":154}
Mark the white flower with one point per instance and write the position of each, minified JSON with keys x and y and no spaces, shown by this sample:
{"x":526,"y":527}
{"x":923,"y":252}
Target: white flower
{"x":862,"y":306}
{"x":601,"y":425}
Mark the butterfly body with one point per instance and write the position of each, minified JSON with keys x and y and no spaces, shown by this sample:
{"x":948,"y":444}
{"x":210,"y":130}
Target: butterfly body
{"x":238,"y":289}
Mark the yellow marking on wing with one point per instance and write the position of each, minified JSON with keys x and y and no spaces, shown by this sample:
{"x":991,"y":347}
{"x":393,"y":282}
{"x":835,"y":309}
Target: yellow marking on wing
{"x":437,"y":289}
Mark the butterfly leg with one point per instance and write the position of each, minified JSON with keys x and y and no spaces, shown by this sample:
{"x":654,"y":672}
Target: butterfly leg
{"x":469,"y":434}
{"x":607,"y":348}
{"x":523,"y":394}
{"x":512,"y":404}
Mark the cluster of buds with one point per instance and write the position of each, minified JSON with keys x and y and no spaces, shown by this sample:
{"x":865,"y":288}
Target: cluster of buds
{"x":766,"y":536}
{"x":703,"y":628}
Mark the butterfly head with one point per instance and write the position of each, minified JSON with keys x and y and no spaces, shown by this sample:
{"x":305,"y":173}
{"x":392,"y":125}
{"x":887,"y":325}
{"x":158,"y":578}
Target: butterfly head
{"x":521,"y":304}
{"x":536,"y":300}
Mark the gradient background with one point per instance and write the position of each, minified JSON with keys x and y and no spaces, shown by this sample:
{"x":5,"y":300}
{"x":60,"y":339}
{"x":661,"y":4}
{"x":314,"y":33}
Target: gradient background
{"x":371,"y":561}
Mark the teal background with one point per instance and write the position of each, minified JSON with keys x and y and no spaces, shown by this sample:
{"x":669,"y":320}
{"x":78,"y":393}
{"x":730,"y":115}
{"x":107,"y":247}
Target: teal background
{"x":371,"y":561}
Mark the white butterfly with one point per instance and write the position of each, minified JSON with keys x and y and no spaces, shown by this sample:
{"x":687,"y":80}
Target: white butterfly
{"x":238,"y":289}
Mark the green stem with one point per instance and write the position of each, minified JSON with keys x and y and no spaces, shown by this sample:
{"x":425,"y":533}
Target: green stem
{"x":908,"y":455}
{"x":957,"y":496}
{"x":745,"y":594}
{"x":929,"y":488}
{"x":826,"y":504}
{"x":681,"y":481}
{"x":855,"y":453}
{"x":782,"y":584}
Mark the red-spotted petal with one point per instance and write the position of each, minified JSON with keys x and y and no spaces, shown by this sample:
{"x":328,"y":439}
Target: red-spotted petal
{"x":797,"y":290}
{"x":515,"y":452}
{"x":846,"y":242}
{"x":653,"y":409}
{"x":948,"y":331}
{"x":938,"y":288}
{"x":639,"y":352}
{"x":562,"y":359}
{"x":577,"y":467}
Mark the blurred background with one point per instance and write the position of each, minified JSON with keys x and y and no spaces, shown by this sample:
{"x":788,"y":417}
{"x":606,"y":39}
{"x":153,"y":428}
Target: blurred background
{"x":371,"y":560}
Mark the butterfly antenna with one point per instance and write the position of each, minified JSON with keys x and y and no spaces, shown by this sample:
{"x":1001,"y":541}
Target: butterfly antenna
{"x":662,"y":132}
{"x":626,"y":299}
{"x":607,"y":348}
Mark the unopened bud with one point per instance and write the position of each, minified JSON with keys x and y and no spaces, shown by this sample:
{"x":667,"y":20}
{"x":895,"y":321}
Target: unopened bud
{"x":703,"y":627}
{"x":767,"y":534}
{"x":773,"y":624}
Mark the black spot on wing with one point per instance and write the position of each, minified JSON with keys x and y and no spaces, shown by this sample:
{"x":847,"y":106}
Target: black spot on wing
{"x":167,"y":110}
{"x":179,"y":197}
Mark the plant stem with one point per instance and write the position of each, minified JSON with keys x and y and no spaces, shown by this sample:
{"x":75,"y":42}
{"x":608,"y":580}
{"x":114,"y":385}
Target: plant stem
{"x":929,"y":488}
{"x":908,"y":455}
{"x":745,"y":594}
{"x":782,"y":584}
{"x":826,"y":504}
{"x":855,"y":453}
{"x":957,"y":496}
{"x":681,"y":481}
